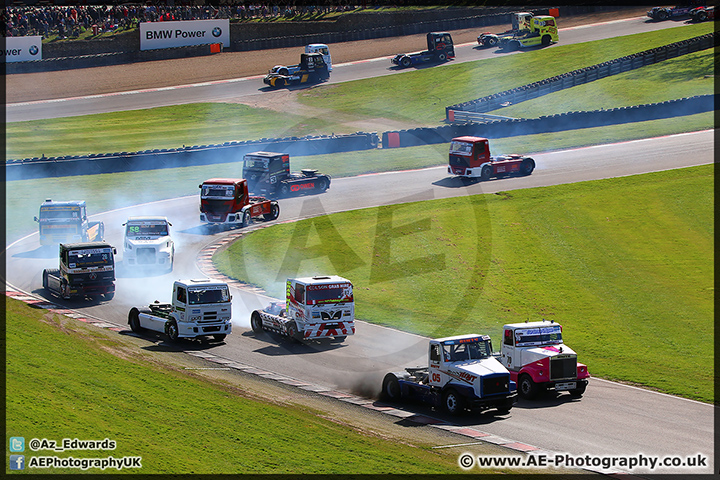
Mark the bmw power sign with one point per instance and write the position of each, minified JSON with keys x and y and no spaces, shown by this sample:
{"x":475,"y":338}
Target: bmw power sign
{"x":154,"y":35}
{"x":22,"y":49}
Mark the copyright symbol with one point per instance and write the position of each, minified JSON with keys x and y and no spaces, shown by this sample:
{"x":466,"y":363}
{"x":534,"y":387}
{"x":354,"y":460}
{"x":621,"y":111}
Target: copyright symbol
{"x":34,"y":444}
{"x":466,"y":460}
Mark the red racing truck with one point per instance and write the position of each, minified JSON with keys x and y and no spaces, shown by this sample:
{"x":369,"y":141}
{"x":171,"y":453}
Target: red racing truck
{"x":470,"y":159}
{"x":226,"y":201}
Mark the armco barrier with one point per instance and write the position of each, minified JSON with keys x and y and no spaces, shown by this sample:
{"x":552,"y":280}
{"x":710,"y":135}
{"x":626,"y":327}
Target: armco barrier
{"x":183,"y":157}
{"x":551,"y":123}
{"x":583,"y":75}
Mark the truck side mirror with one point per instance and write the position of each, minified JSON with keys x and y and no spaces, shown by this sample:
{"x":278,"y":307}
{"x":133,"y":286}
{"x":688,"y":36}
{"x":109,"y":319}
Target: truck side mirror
{"x":115,"y":250}
{"x":36,"y":219}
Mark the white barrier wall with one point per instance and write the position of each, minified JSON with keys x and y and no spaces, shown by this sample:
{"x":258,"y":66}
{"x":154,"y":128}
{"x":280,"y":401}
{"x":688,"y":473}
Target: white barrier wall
{"x":154,"y":35}
{"x":22,"y":49}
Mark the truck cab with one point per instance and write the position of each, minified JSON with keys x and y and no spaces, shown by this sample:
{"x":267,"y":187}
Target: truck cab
{"x":66,"y":222}
{"x":85,"y":270}
{"x":227,"y":201}
{"x":537,"y":358}
{"x":321,"y":305}
{"x":148,"y":242}
{"x":470,"y":158}
{"x":532,"y":31}
{"x":268,"y":174}
{"x":440,"y":48}
{"x":462,"y":373}
{"x":323,"y":50}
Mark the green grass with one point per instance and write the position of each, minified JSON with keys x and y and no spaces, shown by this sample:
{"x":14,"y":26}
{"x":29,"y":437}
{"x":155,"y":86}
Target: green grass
{"x":625,"y":264}
{"x":416,"y":98}
{"x":71,"y":381}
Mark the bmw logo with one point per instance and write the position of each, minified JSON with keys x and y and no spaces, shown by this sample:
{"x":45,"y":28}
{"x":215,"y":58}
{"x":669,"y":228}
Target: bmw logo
{"x":34,"y":50}
{"x":216,"y":32}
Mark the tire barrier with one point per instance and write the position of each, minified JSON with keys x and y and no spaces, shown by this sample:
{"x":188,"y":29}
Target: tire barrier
{"x":582,"y":76}
{"x":183,"y":157}
{"x":552,"y":123}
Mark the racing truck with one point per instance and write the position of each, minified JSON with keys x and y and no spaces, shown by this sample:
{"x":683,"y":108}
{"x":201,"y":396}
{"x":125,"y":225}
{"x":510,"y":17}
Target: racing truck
{"x":700,"y":14}
{"x":470,"y":160}
{"x":199,"y":309}
{"x":537,"y":359}
{"x":439,"y":49}
{"x":665,"y":13}
{"x":316,"y":308}
{"x":227,"y":202}
{"x":311,"y":69}
{"x":528,"y":30}
{"x":67,"y":222}
{"x":86,"y":270}
{"x":148,"y":242}
{"x":462,"y":374}
{"x":268,"y":173}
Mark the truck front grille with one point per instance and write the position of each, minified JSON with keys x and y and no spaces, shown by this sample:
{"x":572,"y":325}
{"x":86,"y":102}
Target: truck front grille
{"x":494,"y":384}
{"x":209,"y":317}
{"x":563,"y":367}
{"x":145,"y":256}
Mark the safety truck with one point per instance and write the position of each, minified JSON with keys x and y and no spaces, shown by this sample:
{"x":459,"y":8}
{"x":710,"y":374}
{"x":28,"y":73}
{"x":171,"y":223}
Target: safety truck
{"x":67,"y":222}
{"x":227,"y":202}
{"x":311,"y":69}
{"x":440,"y":48}
{"x":462,"y":374}
{"x":316,"y":308}
{"x":268,"y":173}
{"x":200,"y":308}
{"x":537,"y":359}
{"x":85,"y":270}
{"x":148,"y":242}
{"x":527,"y":30}
{"x":470,"y":160}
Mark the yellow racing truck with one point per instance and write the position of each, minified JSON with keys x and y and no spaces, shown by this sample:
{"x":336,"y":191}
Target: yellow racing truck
{"x":528,"y":31}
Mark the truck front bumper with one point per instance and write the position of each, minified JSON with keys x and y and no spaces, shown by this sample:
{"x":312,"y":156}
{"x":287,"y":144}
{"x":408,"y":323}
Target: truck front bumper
{"x":193,"y":330}
{"x":502,"y":401}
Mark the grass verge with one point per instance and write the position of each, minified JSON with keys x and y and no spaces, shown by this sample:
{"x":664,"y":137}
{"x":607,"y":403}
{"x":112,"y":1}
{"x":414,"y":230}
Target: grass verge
{"x":69,"y":380}
{"x":625,"y":264}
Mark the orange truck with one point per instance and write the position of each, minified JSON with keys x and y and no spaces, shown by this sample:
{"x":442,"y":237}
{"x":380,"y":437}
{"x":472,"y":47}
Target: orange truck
{"x":226,"y":201}
{"x":470,"y":160}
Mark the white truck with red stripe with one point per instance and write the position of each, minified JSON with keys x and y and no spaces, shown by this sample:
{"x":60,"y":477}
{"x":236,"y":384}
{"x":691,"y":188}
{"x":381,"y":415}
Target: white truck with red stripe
{"x":316,"y":308}
{"x":537,"y":359}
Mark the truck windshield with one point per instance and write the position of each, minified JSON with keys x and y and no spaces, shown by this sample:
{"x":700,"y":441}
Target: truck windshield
{"x":538,"y":336}
{"x":201,"y":295}
{"x":462,"y":148}
{"x":217,"y":191}
{"x":91,"y":257}
{"x":476,"y":350}
{"x":147,"y":229}
{"x":60,"y":212}
{"x":330,"y":293}
{"x":256,"y":164}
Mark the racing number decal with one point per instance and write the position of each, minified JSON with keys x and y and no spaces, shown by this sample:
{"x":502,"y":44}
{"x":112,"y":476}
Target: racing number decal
{"x":436,"y":377}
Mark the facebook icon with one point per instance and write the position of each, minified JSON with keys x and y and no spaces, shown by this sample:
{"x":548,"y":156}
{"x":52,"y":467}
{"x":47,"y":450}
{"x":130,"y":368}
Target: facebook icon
{"x":17,"y":462}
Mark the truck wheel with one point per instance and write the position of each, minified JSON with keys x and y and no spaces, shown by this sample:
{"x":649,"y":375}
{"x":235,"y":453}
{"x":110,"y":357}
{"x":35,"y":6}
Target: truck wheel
{"x":453,"y":402}
{"x":284,"y":191}
{"x":527,"y":167}
{"x":256,"y":322}
{"x":546,"y":40}
{"x":513,"y":45}
{"x":172,"y":331}
{"x":442,"y":57}
{"x":340,"y":338}
{"x":662,"y":15}
{"x":45,"y":279}
{"x":485,"y":173}
{"x":283,"y":71}
{"x":220,"y":337}
{"x":405,"y":62}
{"x":274,"y":212}
{"x":292,"y":331}
{"x":246,"y":218}
{"x":108,"y":296}
{"x":503,"y":410}
{"x":390,"y":388}
{"x":578,"y":392}
{"x":322,"y":184}
{"x":134,"y":321}
{"x":65,"y":289}
{"x":527,"y":388}
{"x":491,"y":41}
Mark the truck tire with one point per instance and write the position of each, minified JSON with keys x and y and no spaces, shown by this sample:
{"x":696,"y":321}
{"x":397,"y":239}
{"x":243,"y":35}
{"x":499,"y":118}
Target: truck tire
{"x":322,"y":184}
{"x":579,"y":391}
{"x":527,"y":387}
{"x":108,"y":296}
{"x":490,"y":41}
{"x":442,"y":57}
{"x":485,"y":173}
{"x":171,"y":329}
{"x":546,"y":40}
{"x":405,"y":62}
{"x":527,"y":167}
{"x":513,"y":45}
{"x":453,"y":403}
{"x":390,"y":388}
{"x":340,"y":338}
{"x":134,"y":321}
{"x":45,"y":279}
{"x":220,"y":337}
{"x":274,"y":212}
{"x":64,"y":290}
{"x":292,"y":331}
{"x":256,"y":322}
{"x":246,"y":218}
{"x":284,"y":191}
{"x":662,"y":15}
{"x":283,"y":71}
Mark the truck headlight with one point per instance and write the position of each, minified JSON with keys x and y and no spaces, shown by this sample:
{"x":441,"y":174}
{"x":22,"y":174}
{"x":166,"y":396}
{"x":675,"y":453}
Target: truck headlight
{"x":195,"y":318}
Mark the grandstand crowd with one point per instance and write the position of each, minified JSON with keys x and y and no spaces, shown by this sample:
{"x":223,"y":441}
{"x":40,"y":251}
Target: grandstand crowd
{"x":69,"y":21}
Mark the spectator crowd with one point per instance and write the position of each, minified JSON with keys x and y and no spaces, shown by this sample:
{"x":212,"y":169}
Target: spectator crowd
{"x":69,"y":21}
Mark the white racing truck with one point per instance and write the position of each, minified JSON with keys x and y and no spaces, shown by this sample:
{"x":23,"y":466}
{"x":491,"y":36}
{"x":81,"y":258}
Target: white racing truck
{"x":316,"y":308}
{"x":199,"y":308}
{"x":537,"y":358}
{"x":462,"y":374}
{"x":148,"y":243}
